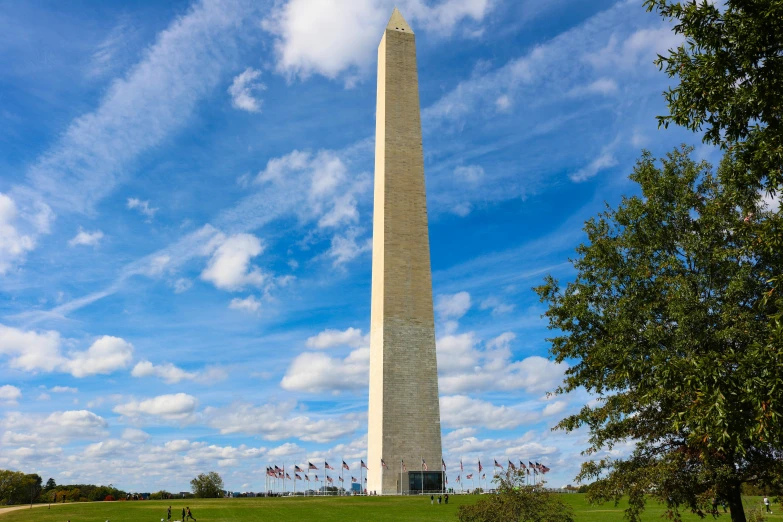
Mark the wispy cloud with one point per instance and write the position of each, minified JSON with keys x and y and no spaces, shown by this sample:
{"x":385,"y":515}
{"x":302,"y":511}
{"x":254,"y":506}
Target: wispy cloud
{"x":155,"y":99}
{"x":243,"y":88}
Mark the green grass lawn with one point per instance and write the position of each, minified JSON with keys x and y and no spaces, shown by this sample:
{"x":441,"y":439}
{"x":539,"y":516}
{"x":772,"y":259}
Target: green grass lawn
{"x":317,"y":509}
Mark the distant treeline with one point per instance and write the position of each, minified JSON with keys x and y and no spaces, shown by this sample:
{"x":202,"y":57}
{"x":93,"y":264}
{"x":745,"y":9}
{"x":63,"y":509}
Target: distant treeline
{"x":22,"y":488}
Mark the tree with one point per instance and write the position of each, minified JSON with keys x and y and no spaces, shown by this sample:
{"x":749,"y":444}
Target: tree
{"x":516,"y":501}
{"x":208,"y":485}
{"x":730,"y":68}
{"x":665,"y":325}
{"x":50,"y":484}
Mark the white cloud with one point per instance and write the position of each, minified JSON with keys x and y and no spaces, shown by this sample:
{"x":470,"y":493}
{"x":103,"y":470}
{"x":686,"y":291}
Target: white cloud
{"x":229,"y":267}
{"x":86,"y":238}
{"x":452,"y":306}
{"x":639,"y":48}
{"x":503,"y":103}
{"x":135,"y":435}
{"x":286,"y":450}
{"x":243,"y":88}
{"x":464,"y":367}
{"x":497,"y":306}
{"x":167,"y":372}
{"x":331,"y":38}
{"x":63,"y":389}
{"x":107,"y":448}
{"x":554,"y":408}
{"x":249,"y":304}
{"x":316,"y":372}
{"x":346,"y":248}
{"x":469,"y":173}
{"x":9,"y":394}
{"x":182,"y":285}
{"x":603,"y":161}
{"x":277,"y":421}
{"x":105,"y":355}
{"x":157,"y":265}
{"x":13,"y":245}
{"x":460,"y":411}
{"x":603,"y":86}
{"x":33,"y":351}
{"x":175,"y":407}
{"x":143,"y":207}
{"x":62,"y":426}
{"x":330,"y":338}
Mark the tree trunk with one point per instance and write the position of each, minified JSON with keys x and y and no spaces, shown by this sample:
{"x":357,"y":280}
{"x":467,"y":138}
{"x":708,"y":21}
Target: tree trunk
{"x":735,"y":504}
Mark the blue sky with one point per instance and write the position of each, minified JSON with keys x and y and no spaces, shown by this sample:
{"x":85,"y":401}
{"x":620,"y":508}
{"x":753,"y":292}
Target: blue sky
{"x":186,"y":217}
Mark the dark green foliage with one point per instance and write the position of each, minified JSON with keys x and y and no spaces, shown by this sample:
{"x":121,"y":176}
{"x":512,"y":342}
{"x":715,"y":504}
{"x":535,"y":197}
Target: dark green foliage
{"x":50,"y":484}
{"x":666,"y":323}
{"x":517,"y":502}
{"x":208,"y":485}
{"x":730,"y":71}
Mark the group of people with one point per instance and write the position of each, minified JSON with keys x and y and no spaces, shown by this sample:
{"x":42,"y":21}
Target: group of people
{"x":440,"y":498}
{"x":186,"y":514}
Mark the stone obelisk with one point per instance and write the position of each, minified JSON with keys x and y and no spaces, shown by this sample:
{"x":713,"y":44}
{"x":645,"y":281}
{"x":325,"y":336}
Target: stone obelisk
{"x":404,"y":414}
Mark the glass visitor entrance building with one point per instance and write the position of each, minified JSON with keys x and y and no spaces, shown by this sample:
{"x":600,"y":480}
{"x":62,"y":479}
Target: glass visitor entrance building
{"x":425,"y":482}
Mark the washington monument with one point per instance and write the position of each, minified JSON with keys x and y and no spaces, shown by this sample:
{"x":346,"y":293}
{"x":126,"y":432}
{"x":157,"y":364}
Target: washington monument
{"x":404,"y":414}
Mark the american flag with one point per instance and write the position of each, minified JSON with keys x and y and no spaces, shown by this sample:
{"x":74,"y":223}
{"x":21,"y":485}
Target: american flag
{"x":340,"y":479}
{"x":288,"y":476}
{"x":544,"y":469}
{"x":329,"y":480}
{"x":316,"y":478}
{"x":345,"y":466}
{"x":511,"y":465}
{"x":460,"y":465}
{"x":307,"y":478}
{"x":424,"y":465}
{"x":297,"y":477}
{"x":353,"y":479}
{"x":497,"y":465}
{"x":480,"y":467}
{"x":538,"y":466}
{"x":530,"y":464}
{"x":310,"y":465}
{"x":469,"y":476}
{"x":458,"y":478}
{"x":297,"y":469}
{"x":383,"y":464}
{"x":484,"y":476}
{"x":364,"y":465}
{"x":522,"y":465}
{"x":404,"y":467}
{"x":447,"y":480}
{"x":443,"y":463}
{"x":327,"y":466}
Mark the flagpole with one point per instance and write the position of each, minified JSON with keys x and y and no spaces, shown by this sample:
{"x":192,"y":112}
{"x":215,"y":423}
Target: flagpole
{"x":400,"y":476}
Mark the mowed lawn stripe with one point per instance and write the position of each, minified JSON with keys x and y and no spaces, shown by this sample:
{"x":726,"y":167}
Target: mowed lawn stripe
{"x":328,"y":509}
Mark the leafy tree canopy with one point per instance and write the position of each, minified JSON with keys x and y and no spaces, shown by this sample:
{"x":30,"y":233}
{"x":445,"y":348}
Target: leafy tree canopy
{"x":517,"y":502}
{"x":209,"y":485}
{"x":666,"y":324}
{"x":730,"y":70}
